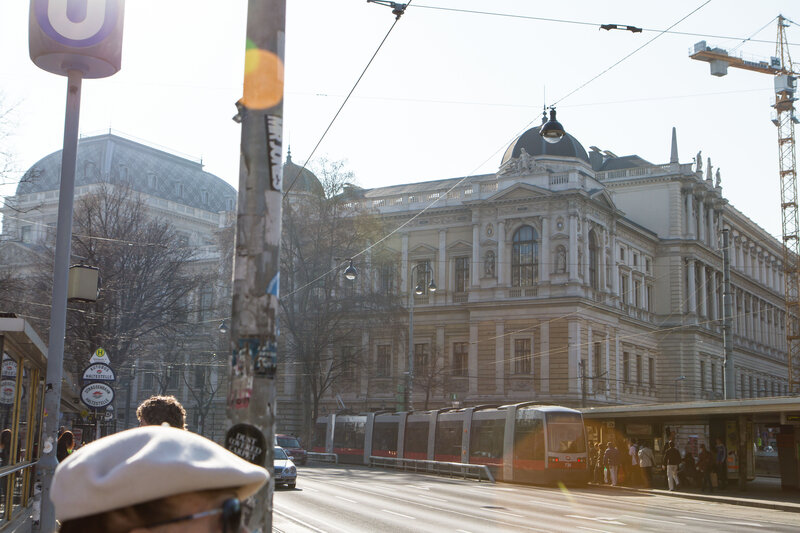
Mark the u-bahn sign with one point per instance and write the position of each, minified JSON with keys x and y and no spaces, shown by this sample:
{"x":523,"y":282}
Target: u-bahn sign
{"x":97,"y":395}
{"x":98,"y":372}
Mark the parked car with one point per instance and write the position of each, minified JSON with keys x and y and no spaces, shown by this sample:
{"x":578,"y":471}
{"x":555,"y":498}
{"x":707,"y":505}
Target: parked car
{"x":292,"y":445}
{"x":285,"y":471}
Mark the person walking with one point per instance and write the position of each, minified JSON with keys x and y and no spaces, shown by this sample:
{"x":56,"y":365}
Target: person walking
{"x":592,"y":460}
{"x":158,"y":410}
{"x":705,"y":464}
{"x":601,"y":473}
{"x":646,"y":462}
{"x":611,"y":461}
{"x":65,"y":445}
{"x":672,"y":458}
{"x":633,"y":451}
{"x":722,"y":464}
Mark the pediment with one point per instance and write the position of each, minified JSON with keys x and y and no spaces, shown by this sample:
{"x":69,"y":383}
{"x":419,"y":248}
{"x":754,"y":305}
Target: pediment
{"x":519,"y":191}
{"x":15,"y":253}
{"x":460,"y":246}
{"x":422,"y":249}
{"x":603,"y":197}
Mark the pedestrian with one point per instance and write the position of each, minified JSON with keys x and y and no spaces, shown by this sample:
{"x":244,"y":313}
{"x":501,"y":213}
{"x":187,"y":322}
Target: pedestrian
{"x":672,"y":458}
{"x":705,"y":464}
{"x":633,"y":451}
{"x":153,"y":479}
{"x":611,"y":460}
{"x":592,"y":459}
{"x":65,"y":445}
{"x":647,"y":461}
{"x":722,"y":464}
{"x":600,"y":469}
{"x":687,"y":471}
{"x":158,"y":410}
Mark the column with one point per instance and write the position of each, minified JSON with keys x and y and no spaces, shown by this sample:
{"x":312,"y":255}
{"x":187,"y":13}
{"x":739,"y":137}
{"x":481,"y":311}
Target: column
{"x":544,"y":357}
{"x":574,"y":336}
{"x":617,"y":375}
{"x":603,"y":259}
{"x":404,"y":265}
{"x":690,"y":214}
{"x":502,"y":265}
{"x":585,"y":266}
{"x":631,"y":292}
{"x":573,"y":248}
{"x":732,"y":247}
{"x":740,"y":254}
{"x":472,"y":358}
{"x":701,"y":217}
{"x":714,"y":312}
{"x":614,"y":265}
{"x":499,"y":357}
{"x":703,"y":290}
{"x":441,"y":276}
{"x":545,"y":261}
{"x":711,"y":240}
{"x":476,"y":256}
{"x":759,"y":324}
{"x":692,"y":288}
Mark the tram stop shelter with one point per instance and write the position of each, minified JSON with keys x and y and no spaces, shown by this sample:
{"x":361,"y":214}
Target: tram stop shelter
{"x":765,"y":431}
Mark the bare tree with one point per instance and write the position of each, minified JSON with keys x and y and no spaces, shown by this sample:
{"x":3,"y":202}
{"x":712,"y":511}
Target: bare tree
{"x":431,"y":376}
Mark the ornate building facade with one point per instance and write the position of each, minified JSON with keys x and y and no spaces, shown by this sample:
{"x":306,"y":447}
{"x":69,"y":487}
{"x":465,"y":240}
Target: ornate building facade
{"x":567,"y":277}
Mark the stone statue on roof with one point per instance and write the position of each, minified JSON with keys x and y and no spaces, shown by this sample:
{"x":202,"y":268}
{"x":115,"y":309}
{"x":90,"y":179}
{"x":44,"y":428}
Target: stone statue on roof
{"x":719,"y":178}
{"x":699,"y":161}
{"x":709,"y":170}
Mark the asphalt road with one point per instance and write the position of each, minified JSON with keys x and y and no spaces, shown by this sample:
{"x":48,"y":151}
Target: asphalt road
{"x":334,"y":499}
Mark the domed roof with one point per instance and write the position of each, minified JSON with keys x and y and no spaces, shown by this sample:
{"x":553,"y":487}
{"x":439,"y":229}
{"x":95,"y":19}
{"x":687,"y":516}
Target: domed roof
{"x":109,"y":158}
{"x":535,"y":145}
{"x":297,"y":179}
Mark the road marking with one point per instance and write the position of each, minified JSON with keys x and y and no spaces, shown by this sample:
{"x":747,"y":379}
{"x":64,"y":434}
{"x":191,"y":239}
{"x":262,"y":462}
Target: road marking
{"x":398,"y":514}
{"x":654,"y":520}
{"x":730,"y":522}
{"x":435,"y":499}
{"x":597,"y":519}
{"x":347,"y":499}
{"x":309,"y":489}
{"x":503,"y":512}
{"x":462,"y":531}
{"x":297,"y":520}
{"x":593,"y":529}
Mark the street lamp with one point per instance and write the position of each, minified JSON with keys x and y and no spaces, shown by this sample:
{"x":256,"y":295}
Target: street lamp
{"x":223,"y":328}
{"x":551,"y":131}
{"x":676,"y":386}
{"x":419,"y":290}
{"x":350,"y":272}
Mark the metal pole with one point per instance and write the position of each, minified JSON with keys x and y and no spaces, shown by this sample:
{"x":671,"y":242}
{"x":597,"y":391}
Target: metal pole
{"x":729,"y":383}
{"x":251,"y":399}
{"x":58,"y":310}
{"x":410,"y":374}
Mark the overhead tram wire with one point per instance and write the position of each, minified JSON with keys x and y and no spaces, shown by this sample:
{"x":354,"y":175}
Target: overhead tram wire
{"x":347,"y":98}
{"x":594,"y":24}
{"x":750,"y":39}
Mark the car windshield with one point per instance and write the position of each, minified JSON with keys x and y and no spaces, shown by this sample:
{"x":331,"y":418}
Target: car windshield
{"x":288,"y":442}
{"x":280,"y":453}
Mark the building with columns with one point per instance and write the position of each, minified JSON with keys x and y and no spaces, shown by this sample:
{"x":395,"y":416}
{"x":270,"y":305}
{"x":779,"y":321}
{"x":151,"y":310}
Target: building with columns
{"x":567,"y":277}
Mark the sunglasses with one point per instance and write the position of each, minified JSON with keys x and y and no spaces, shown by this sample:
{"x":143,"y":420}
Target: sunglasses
{"x":231,"y":511}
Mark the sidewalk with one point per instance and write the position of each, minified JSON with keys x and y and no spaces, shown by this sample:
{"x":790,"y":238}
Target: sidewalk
{"x":764,"y":492}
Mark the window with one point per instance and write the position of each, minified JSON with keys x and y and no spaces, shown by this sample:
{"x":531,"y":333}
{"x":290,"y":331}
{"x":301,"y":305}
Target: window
{"x":622,"y":254}
{"x":26,"y":234}
{"x":522,"y":356}
{"x":639,"y":371}
{"x":713,"y":378}
{"x":597,"y":360}
{"x":199,"y":377}
{"x":593,"y":275}
{"x":460,"y":359}
{"x":423,"y":277}
{"x":205,"y":301}
{"x":524,"y":257}
{"x":741,"y":386}
{"x":386,"y":278}
{"x":421,"y":359}
{"x":651,"y":370}
{"x":649,"y":293}
{"x":486,"y":440}
{"x":528,"y":437}
{"x":750,"y":386}
{"x":635,"y":259}
{"x":623,"y":286}
{"x":204,"y":197}
{"x":347,"y":363}
{"x":702,"y":375}
{"x":462,"y":274}
{"x":637,"y":293}
{"x":148,"y":382}
{"x":647,"y":265}
{"x":383,"y":357}
{"x":172,"y":377}
{"x":448,"y":440}
{"x":626,"y":367}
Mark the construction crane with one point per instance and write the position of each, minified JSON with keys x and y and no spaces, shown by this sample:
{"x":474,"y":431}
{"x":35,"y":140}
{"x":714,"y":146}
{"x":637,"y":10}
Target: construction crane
{"x":785,"y":79}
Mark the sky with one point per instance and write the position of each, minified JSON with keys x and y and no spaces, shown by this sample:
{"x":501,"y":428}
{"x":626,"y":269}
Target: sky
{"x":445,"y":95}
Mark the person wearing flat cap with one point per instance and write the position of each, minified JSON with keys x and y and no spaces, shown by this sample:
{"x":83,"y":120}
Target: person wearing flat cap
{"x":153,"y":479}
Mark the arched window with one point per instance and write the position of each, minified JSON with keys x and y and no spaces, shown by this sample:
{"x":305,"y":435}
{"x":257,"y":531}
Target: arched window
{"x":593,"y":257}
{"x":524,"y":257}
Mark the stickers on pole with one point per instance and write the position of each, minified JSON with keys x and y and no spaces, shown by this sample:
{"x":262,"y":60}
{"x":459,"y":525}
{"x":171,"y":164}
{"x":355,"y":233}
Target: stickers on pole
{"x":247,"y":442}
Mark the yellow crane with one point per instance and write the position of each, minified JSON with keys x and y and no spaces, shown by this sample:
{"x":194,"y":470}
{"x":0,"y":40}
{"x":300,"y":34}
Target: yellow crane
{"x":785,"y":78}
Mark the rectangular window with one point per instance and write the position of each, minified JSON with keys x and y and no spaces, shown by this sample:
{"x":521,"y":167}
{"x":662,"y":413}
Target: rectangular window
{"x":172,"y":377}
{"x":623,"y":287}
{"x":386,"y":276}
{"x":383,"y":360}
{"x":462,"y":274}
{"x":635,"y":259}
{"x":347,"y":363}
{"x":26,"y":234}
{"x":205,"y":303}
{"x":199,"y":377}
{"x":637,"y":293}
{"x":713,"y":378}
{"x":460,"y":358}
{"x":649,"y":294}
{"x":622,"y":254}
{"x":420,"y":359}
{"x":750,"y":386}
{"x":742,"y":390}
{"x":148,"y":382}
{"x":626,"y":367}
{"x":639,"y":371}
{"x":651,"y":370}
{"x":423,"y":277}
{"x":522,"y":356}
{"x":702,"y":375}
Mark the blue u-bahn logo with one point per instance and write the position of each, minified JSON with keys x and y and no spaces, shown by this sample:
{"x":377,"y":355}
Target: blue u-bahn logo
{"x":76,"y":23}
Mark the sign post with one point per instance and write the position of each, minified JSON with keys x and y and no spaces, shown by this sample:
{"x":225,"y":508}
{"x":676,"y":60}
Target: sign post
{"x":77,"y":40}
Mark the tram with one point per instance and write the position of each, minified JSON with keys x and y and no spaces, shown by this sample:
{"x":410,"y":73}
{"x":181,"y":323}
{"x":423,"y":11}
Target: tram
{"x":524,"y":442}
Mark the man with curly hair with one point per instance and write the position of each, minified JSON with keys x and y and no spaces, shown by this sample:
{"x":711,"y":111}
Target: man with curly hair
{"x":158,"y":410}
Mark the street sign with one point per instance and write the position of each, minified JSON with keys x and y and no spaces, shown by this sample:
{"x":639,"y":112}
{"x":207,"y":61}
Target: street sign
{"x":98,"y":372}
{"x":109,"y":412}
{"x":9,"y":367}
{"x":8,"y":390}
{"x":100,"y":356}
{"x":97,"y":395}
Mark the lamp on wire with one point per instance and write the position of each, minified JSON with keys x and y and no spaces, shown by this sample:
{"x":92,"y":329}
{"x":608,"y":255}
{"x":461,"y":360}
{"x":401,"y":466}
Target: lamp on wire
{"x":551,"y":130}
{"x":223,"y":328}
{"x":350,"y":272}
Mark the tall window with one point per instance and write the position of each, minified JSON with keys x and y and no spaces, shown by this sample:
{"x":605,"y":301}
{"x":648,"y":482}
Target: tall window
{"x":383,"y":360}
{"x":626,"y":367}
{"x":593,"y":272}
{"x":651,"y":370}
{"x":420,"y":359}
{"x":597,"y":365}
{"x":524,"y":257}
{"x":702,"y":375}
{"x":522,"y":356}
{"x":460,"y":358}
{"x":637,"y":294}
{"x":386,"y":276}
{"x":423,"y":277}
{"x":347,"y":362}
{"x":713,"y":378}
{"x":649,"y":293}
{"x":623,"y":286}
{"x":148,"y":382}
{"x":206,"y":299}
{"x":462,"y":274}
{"x":639,"y":370}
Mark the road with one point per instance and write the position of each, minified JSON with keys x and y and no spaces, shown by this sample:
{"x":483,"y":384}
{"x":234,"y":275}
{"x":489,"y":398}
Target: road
{"x":334,"y":499}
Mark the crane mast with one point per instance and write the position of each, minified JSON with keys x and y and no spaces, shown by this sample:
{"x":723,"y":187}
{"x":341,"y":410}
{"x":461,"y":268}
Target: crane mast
{"x":781,"y":68}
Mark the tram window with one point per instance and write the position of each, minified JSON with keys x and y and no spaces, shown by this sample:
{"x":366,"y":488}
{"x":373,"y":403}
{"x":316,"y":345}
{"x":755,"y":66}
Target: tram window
{"x":448,"y":438}
{"x":486,"y":439}
{"x":565,"y":433}
{"x":529,"y":439}
{"x":319,"y":435}
{"x":384,"y":436}
{"x":348,"y":435}
{"x":417,"y":437}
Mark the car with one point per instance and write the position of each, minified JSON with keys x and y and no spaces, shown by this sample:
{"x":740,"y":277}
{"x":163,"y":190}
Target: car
{"x":284,"y":468}
{"x":292,"y":445}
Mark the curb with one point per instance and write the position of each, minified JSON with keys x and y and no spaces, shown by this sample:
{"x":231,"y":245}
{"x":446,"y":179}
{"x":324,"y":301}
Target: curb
{"x":763,"y":504}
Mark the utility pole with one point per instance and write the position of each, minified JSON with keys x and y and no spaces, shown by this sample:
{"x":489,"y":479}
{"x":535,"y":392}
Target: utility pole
{"x":729,"y":383}
{"x":251,"y":399}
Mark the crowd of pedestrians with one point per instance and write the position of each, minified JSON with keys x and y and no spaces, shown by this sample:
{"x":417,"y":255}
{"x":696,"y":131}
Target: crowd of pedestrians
{"x":634,"y":463}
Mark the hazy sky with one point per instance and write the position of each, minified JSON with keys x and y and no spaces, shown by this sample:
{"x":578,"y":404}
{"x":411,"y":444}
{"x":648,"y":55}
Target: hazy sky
{"x":444,"y":97}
